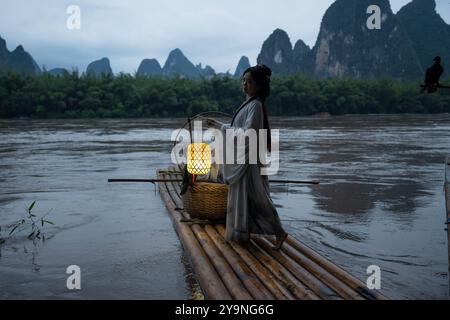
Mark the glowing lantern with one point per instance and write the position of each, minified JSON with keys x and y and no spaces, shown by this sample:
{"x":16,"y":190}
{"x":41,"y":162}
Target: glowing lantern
{"x":198,"y":158}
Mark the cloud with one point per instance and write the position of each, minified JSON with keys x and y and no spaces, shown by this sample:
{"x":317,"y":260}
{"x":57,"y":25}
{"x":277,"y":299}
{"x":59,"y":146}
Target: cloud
{"x":212,"y":32}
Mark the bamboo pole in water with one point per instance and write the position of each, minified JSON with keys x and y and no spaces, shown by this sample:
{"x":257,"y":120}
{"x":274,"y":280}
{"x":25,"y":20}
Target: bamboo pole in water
{"x":210,"y":281}
{"x":447,"y":208}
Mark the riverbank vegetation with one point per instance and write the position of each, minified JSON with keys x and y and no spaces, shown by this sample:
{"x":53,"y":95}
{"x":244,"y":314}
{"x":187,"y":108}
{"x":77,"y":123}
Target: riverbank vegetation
{"x":124,"y":95}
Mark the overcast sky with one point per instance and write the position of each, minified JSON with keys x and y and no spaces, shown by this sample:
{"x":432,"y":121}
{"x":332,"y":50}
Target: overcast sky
{"x":214,"y":32}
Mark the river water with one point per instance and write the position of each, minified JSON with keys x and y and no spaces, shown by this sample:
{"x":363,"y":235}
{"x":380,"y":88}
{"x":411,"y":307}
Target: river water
{"x":380,"y":202}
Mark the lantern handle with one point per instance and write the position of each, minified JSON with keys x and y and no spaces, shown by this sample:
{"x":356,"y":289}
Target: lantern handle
{"x":190,"y":128}
{"x":197,"y":116}
{"x":201,"y":115}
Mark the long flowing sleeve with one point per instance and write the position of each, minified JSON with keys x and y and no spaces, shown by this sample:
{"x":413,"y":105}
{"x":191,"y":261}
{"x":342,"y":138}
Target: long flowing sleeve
{"x":252,"y":119}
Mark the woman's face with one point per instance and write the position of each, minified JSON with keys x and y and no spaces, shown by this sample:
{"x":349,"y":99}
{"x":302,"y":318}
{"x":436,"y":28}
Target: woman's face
{"x":249,"y":85}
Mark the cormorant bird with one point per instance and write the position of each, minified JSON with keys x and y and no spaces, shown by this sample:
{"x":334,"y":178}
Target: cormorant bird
{"x":433,"y":75}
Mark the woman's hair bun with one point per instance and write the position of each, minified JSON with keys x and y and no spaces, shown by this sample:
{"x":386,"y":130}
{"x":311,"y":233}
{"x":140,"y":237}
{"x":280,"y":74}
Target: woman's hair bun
{"x":261,"y":75}
{"x":266,"y":70}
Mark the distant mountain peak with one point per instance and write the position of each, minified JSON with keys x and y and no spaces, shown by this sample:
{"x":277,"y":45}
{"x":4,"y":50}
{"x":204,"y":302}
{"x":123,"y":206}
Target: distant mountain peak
{"x":99,"y":67}
{"x":428,"y":33}
{"x":243,"y":65}
{"x":422,"y":4}
{"x":346,"y":47}
{"x":2,"y":43}
{"x":177,"y":51}
{"x":178,"y":65}
{"x":18,"y":60}
{"x":149,"y":67}
{"x":19,"y":48}
{"x":207,"y":71}
{"x":176,"y":54}
{"x":276,"y":52}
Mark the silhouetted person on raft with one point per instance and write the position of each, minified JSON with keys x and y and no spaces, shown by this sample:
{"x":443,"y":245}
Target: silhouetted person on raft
{"x":432,"y":76}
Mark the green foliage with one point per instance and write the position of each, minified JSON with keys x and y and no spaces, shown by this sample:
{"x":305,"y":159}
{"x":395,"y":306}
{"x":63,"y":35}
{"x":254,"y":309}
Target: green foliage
{"x":74,"y":96}
{"x":32,"y":226}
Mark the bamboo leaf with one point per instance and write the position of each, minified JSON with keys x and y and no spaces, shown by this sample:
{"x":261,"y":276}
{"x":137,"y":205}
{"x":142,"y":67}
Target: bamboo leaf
{"x":13,"y":229}
{"x":31,"y":206}
{"x":30,"y":236}
{"x":2,"y":241}
{"x":49,"y":222}
{"x":42,"y":222}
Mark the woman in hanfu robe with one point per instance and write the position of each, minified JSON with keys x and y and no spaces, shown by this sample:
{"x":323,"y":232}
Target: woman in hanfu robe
{"x":250,"y":207}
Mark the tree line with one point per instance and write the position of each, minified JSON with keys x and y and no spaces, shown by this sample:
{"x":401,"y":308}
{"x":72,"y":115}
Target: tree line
{"x":124,"y":95}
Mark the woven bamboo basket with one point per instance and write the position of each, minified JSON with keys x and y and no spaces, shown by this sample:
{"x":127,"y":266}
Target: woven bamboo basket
{"x":206,"y":200}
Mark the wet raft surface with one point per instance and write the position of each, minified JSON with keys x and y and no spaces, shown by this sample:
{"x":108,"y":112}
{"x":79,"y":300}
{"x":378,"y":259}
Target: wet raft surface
{"x":253,"y":270}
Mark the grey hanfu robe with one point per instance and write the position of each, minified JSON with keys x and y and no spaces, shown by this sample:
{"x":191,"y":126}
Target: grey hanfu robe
{"x":250,"y":207}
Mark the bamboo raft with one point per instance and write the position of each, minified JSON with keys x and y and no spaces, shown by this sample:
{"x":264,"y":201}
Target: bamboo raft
{"x":253,"y":270}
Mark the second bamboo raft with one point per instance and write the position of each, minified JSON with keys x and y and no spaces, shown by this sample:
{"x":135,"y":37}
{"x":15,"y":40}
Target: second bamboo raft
{"x":253,"y":270}
{"x":447,"y":209}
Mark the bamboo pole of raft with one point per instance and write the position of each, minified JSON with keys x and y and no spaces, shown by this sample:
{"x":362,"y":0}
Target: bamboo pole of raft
{"x":251,"y":282}
{"x":230,"y":280}
{"x":210,"y":281}
{"x":447,"y":208}
{"x":319,"y":288}
{"x":180,"y":180}
{"x":328,"y":281}
{"x":266,"y":277}
{"x":285,"y":286}
{"x":143,"y":180}
{"x":317,"y":284}
{"x":222,"y":267}
{"x":259,"y":270}
{"x":337,"y":271}
{"x":296,"y":288}
{"x":235,"y":287}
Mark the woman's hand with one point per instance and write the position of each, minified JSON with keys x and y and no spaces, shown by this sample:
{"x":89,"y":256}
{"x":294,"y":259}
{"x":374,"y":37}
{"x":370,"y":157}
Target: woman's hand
{"x":211,"y":123}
